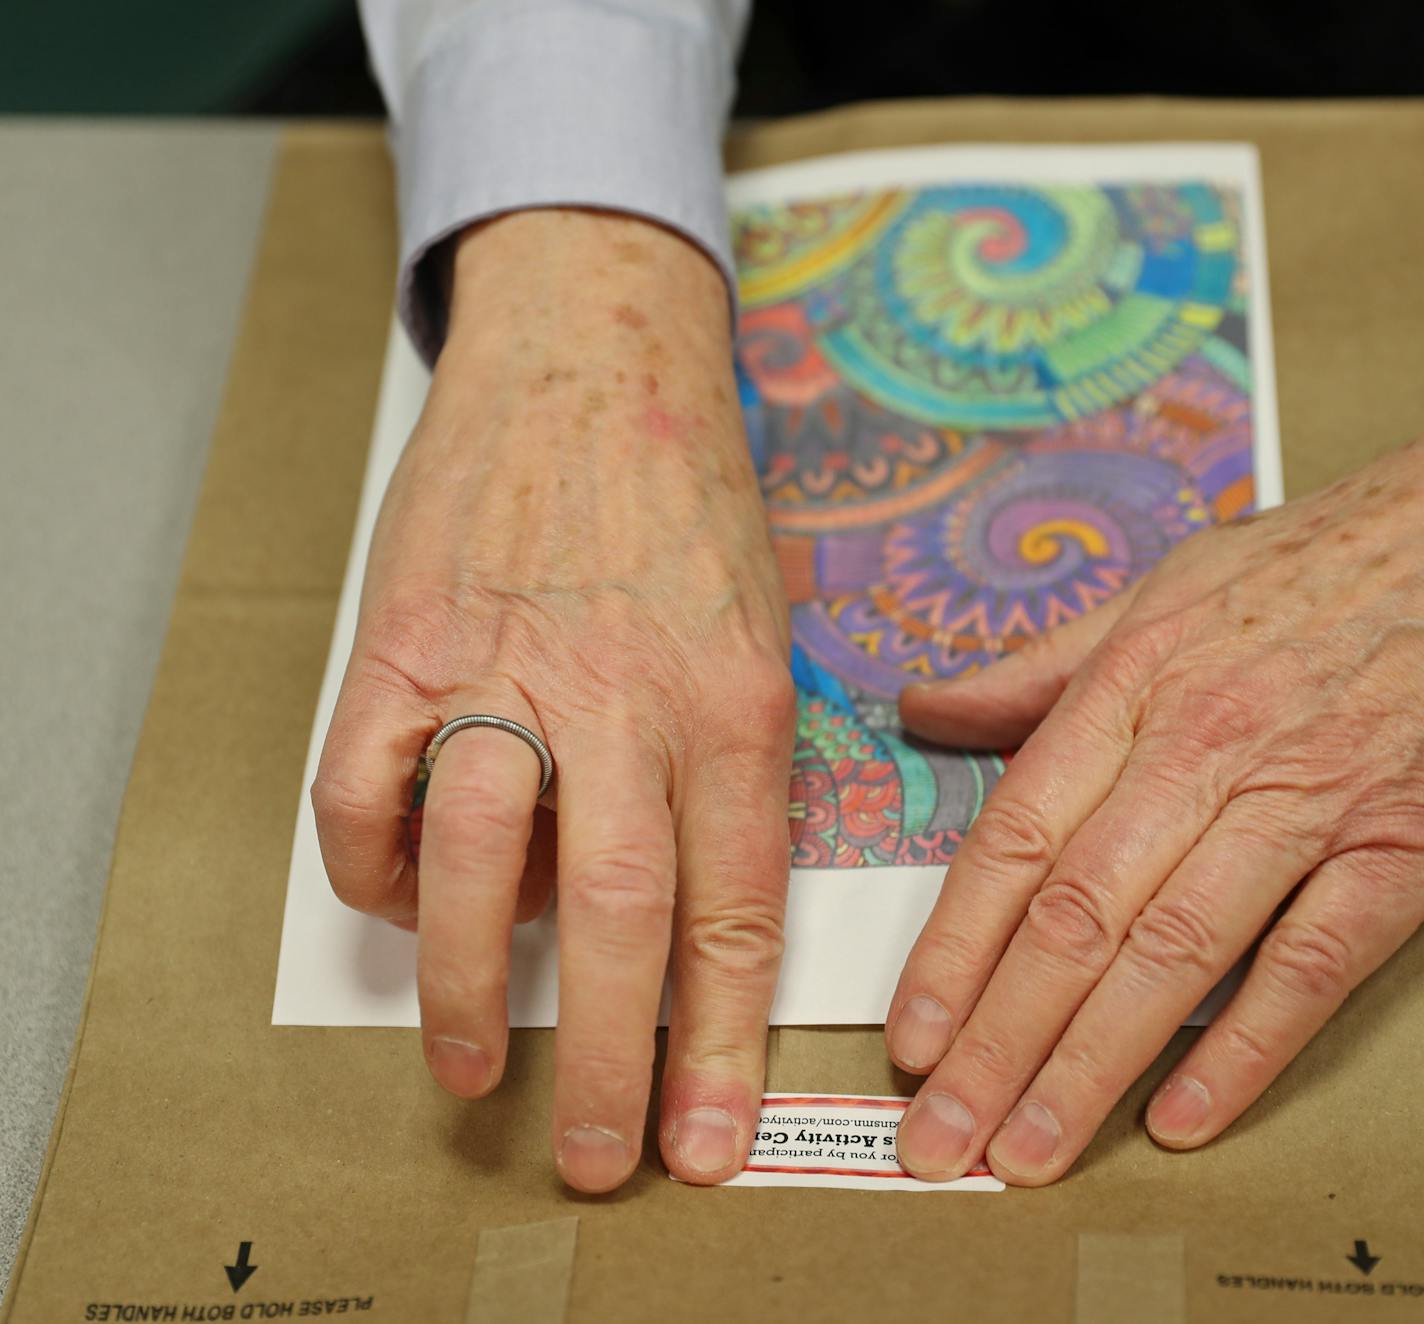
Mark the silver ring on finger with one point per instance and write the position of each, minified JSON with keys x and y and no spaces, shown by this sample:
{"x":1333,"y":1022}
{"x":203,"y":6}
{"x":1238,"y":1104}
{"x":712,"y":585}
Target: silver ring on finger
{"x":546,"y":759}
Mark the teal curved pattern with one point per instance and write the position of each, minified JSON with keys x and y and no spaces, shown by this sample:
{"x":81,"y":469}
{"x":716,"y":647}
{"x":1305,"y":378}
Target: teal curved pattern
{"x":1014,"y":308}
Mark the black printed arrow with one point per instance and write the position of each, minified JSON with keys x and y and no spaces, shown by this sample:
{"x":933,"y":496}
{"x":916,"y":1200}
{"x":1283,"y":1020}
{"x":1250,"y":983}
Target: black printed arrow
{"x":239,"y":1273}
{"x":1362,"y":1259}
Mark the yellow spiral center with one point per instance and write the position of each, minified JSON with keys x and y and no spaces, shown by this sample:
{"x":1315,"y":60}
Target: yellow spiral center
{"x":1043,"y":542}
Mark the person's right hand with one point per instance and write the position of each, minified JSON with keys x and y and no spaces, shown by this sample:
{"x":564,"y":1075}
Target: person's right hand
{"x":574,"y":539}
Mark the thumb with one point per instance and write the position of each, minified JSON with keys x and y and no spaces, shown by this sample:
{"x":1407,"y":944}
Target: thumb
{"x":998,"y":706}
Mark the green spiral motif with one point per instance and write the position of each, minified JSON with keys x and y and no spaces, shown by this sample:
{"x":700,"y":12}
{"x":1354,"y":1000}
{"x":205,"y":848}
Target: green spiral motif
{"x":945,"y":269}
{"x":988,"y":306}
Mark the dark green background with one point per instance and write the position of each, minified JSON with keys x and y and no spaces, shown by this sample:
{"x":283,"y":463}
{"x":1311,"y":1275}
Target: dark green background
{"x":182,"y":57}
{"x":300,"y":57}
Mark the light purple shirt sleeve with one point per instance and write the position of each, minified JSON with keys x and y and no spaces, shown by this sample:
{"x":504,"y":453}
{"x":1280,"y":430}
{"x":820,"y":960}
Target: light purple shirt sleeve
{"x":498,"y":105}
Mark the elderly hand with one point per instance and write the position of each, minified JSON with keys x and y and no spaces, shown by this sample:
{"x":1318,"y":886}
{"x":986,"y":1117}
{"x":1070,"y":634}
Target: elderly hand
{"x":1243,"y":729}
{"x":575,"y":540}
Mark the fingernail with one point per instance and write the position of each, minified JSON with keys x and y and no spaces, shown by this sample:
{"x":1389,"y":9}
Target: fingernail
{"x":462,"y":1068}
{"x":1027,"y":1141}
{"x":921,"y":1034}
{"x":934,"y":1136}
{"x":1179,"y":1110}
{"x":921,"y":687}
{"x":705,"y":1139}
{"x":594,"y":1159}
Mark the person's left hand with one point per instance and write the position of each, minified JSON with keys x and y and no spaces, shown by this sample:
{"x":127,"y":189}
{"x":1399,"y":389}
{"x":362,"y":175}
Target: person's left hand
{"x":1249,"y":717}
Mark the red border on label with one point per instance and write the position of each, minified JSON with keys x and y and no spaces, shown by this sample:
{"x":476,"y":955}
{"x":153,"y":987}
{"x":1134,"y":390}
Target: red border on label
{"x":979,"y":1171}
{"x":834,"y":1101}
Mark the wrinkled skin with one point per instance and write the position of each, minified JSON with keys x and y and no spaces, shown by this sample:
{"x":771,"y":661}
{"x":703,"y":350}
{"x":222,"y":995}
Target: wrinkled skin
{"x":575,"y":539}
{"x":1247,"y":721}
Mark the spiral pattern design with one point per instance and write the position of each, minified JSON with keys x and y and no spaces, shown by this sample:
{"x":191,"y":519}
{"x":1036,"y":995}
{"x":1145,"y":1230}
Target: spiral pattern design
{"x":978,"y":412}
{"x":1052,"y":518}
{"x":1019,"y":308}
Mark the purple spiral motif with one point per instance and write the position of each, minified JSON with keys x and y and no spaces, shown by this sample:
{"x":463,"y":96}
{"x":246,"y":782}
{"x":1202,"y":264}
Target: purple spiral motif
{"x":1050,"y":518}
{"x":1048,"y":535}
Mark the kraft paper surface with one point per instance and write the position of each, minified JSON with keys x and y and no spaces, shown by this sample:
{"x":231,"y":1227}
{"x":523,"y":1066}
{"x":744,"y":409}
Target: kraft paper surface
{"x":190,"y":1125}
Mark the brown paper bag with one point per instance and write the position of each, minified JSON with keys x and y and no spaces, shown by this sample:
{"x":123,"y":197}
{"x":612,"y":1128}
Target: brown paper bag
{"x":190,"y":1125}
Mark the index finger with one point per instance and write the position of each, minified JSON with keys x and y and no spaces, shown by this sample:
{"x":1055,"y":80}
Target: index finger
{"x":1030,"y":817}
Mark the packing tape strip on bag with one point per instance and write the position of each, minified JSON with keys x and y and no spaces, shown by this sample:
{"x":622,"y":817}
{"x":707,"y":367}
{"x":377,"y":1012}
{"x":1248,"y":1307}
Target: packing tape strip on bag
{"x":522,"y":1273}
{"x":1125,"y":1279}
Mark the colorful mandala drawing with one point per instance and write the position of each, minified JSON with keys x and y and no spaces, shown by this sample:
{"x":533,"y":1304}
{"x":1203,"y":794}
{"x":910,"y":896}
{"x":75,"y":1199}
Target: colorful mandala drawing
{"x":978,"y":411}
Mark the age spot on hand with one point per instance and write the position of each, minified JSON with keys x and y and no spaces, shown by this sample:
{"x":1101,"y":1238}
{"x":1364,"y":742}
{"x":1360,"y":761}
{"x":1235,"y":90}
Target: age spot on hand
{"x":626,"y":315}
{"x":594,"y":403}
{"x":551,"y":378}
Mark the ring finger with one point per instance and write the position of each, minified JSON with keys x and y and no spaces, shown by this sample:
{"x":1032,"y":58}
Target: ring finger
{"x":478,"y":812}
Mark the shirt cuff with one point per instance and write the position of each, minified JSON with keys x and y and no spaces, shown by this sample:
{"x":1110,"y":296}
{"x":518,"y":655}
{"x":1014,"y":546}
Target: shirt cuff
{"x":549,"y":103}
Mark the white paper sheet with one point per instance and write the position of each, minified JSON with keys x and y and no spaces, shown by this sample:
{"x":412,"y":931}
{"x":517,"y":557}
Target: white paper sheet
{"x":848,"y":930}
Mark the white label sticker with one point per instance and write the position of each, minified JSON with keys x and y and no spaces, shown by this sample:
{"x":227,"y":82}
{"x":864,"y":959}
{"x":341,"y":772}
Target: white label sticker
{"x":845,"y":1140}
